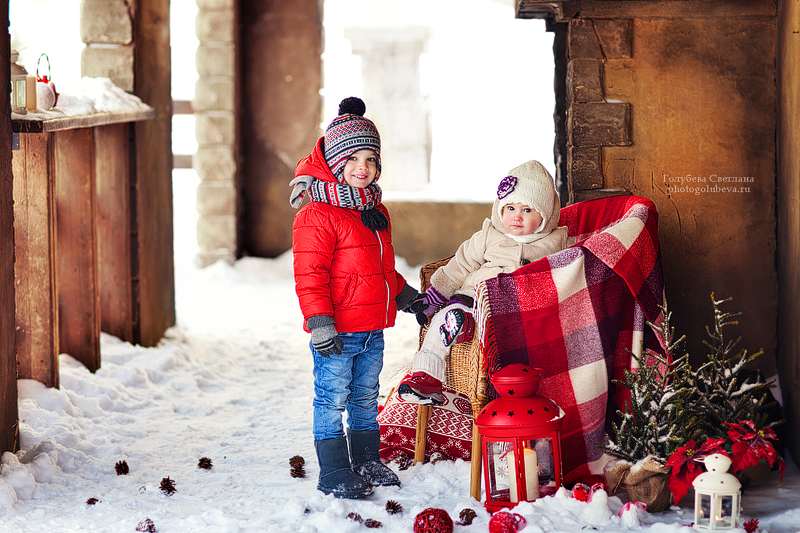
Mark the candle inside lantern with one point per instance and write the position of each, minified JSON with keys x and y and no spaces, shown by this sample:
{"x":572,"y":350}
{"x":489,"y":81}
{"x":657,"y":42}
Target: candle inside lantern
{"x":30,"y":97}
{"x":531,"y":474}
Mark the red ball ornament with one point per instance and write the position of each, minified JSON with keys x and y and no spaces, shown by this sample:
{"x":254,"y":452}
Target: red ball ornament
{"x":581,"y":492}
{"x":504,"y":522}
{"x":433,"y":520}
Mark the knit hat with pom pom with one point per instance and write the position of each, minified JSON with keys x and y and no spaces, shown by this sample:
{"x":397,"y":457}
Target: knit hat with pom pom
{"x":347,"y":134}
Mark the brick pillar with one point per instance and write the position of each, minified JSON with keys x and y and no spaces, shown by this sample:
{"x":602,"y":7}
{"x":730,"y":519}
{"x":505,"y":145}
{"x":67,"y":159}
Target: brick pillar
{"x":215,"y":113}
{"x":593,"y":119}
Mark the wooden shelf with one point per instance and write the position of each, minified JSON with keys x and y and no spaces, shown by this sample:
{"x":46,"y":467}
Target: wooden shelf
{"x":36,"y":123}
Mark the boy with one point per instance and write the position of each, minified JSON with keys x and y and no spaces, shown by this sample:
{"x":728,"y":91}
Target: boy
{"x":349,"y":292}
{"x":522,"y":229}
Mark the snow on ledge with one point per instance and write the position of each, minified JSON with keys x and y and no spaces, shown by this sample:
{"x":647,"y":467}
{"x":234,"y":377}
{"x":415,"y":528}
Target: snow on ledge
{"x":91,"y":96}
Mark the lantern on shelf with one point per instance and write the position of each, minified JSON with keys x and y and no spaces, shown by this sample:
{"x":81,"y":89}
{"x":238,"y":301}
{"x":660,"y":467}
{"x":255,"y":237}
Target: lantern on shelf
{"x":19,"y":81}
{"x":520,"y":439}
{"x":716,"y":495}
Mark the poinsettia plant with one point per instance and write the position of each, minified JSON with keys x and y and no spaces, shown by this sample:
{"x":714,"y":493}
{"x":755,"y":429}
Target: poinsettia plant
{"x":746,"y":446}
{"x":750,"y":445}
{"x":684,"y":465}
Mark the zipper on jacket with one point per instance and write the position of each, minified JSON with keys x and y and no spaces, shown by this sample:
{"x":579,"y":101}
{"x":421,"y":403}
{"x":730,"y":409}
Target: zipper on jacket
{"x":388,"y":290}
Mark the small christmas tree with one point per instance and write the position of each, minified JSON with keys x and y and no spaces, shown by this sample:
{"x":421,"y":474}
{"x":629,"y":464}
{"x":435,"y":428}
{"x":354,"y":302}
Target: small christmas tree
{"x":658,"y":418}
{"x":725,"y":390}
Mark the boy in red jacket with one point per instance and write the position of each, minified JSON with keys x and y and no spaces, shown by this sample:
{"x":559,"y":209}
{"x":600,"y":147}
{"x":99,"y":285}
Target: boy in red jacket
{"x":349,"y":292}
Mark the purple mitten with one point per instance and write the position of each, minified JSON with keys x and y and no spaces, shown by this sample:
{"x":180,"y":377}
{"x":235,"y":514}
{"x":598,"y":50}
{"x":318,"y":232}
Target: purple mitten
{"x":426,"y":305}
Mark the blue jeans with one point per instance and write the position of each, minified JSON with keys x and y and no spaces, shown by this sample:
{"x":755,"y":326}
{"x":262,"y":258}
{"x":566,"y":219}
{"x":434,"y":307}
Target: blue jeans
{"x":348,"y":381}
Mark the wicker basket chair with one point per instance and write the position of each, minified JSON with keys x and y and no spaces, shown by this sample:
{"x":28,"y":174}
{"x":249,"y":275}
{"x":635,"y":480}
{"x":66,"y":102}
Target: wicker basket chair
{"x":466,"y":374}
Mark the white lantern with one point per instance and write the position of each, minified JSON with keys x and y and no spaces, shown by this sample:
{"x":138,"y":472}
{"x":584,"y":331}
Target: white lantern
{"x":716,"y":495}
{"x":19,"y":92}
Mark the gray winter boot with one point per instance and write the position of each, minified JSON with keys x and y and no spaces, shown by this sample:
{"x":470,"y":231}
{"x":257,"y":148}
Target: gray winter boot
{"x":335,"y":474}
{"x":366,"y":461}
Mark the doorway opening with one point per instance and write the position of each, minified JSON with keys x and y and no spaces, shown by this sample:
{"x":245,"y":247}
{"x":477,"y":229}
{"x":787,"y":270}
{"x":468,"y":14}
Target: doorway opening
{"x":459,"y":100}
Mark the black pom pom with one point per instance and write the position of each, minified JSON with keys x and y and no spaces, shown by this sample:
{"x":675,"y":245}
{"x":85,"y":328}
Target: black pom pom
{"x":374,"y":220}
{"x":352,"y":106}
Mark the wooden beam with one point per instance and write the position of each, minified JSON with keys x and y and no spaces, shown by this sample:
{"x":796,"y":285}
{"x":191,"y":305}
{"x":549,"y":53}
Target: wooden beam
{"x":153,"y":179}
{"x":8,"y":366}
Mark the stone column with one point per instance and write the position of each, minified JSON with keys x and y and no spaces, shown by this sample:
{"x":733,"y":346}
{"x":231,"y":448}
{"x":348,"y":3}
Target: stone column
{"x":390,"y":72}
{"x":214,"y":107}
{"x":107,"y":31}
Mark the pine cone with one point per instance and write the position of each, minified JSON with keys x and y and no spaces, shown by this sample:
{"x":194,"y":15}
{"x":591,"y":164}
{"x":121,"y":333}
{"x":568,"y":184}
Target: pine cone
{"x":436,"y":457}
{"x":122,"y":468}
{"x":392,"y":507}
{"x":466,"y":516}
{"x":146,"y":526}
{"x":297,"y":463}
{"x":404,"y":462}
{"x":92,"y":501}
{"x":204,"y":463}
{"x":355,"y":517}
{"x":369,"y":522}
{"x":168,"y":486}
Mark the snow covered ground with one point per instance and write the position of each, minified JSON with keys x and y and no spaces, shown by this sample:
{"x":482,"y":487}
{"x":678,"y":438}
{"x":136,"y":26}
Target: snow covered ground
{"x":232,"y":382}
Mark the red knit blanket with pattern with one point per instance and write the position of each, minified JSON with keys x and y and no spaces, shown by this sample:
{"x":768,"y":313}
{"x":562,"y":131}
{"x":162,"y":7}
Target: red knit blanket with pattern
{"x":576,"y":313}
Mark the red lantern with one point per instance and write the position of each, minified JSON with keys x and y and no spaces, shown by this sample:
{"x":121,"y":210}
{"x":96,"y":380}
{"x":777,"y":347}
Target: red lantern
{"x":520,"y":439}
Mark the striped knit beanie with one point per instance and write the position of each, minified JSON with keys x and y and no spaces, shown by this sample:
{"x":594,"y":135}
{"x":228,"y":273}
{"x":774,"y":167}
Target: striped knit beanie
{"x":348,"y":133}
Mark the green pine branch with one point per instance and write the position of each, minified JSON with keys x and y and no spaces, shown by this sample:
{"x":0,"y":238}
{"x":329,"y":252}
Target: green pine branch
{"x":658,"y":418}
{"x":725,"y":390}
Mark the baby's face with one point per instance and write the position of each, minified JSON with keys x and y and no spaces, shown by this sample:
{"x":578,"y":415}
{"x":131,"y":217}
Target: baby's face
{"x":519,"y":219}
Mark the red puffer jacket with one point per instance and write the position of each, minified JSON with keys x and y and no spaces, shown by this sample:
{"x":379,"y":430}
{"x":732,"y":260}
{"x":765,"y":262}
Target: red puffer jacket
{"x":342,"y":268}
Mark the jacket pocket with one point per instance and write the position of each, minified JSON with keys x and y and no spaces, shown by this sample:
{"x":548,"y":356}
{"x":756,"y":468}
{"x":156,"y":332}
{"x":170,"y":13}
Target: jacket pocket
{"x":343,"y":290}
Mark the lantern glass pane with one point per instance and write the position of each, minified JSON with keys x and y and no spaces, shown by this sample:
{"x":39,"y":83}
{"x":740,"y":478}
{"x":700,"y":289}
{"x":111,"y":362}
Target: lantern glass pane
{"x":724,"y":512}
{"x":497,"y":453}
{"x":20,"y":94}
{"x":703,"y":513}
{"x":544,"y":457}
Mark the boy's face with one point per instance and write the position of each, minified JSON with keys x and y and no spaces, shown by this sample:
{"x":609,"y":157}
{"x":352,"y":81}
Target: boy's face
{"x":361,"y":169}
{"x":519,"y":219}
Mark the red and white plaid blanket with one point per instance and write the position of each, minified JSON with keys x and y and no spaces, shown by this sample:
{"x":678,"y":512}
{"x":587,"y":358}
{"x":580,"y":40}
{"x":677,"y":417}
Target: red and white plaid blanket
{"x":575,"y":313}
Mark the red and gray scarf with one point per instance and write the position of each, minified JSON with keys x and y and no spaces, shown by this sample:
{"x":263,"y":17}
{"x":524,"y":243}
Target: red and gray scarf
{"x":342,"y":195}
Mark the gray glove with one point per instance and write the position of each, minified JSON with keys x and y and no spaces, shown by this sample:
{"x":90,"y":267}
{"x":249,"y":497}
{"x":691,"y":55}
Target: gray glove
{"x":324,"y":337}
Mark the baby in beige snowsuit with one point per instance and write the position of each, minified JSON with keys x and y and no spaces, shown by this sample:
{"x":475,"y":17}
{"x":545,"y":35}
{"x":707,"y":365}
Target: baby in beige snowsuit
{"x":523,"y":228}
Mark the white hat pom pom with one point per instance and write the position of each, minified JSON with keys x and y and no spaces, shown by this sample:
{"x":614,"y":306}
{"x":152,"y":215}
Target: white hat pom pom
{"x":45,"y":96}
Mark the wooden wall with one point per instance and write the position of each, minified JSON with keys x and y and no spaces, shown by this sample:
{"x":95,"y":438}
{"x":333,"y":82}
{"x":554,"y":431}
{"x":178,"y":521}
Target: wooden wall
{"x":281,"y":72}
{"x":789,"y":216}
{"x":8,"y":364}
{"x":664,"y":100}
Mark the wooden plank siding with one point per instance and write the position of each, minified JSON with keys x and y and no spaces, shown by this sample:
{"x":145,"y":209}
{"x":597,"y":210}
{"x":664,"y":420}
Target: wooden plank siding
{"x":37,"y":348}
{"x":117,"y":255}
{"x":78,"y":295}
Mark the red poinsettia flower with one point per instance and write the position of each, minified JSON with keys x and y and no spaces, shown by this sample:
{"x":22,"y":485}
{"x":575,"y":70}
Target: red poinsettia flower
{"x":685,"y":467}
{"x":751,"y":445}
{"x":751,"y":525}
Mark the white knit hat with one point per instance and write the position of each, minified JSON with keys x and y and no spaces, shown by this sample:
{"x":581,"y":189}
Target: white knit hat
{"x":532,"y":185}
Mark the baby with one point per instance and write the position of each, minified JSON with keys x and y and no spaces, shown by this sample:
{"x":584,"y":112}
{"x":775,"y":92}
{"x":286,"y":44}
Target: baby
{"x":523,"y":228}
